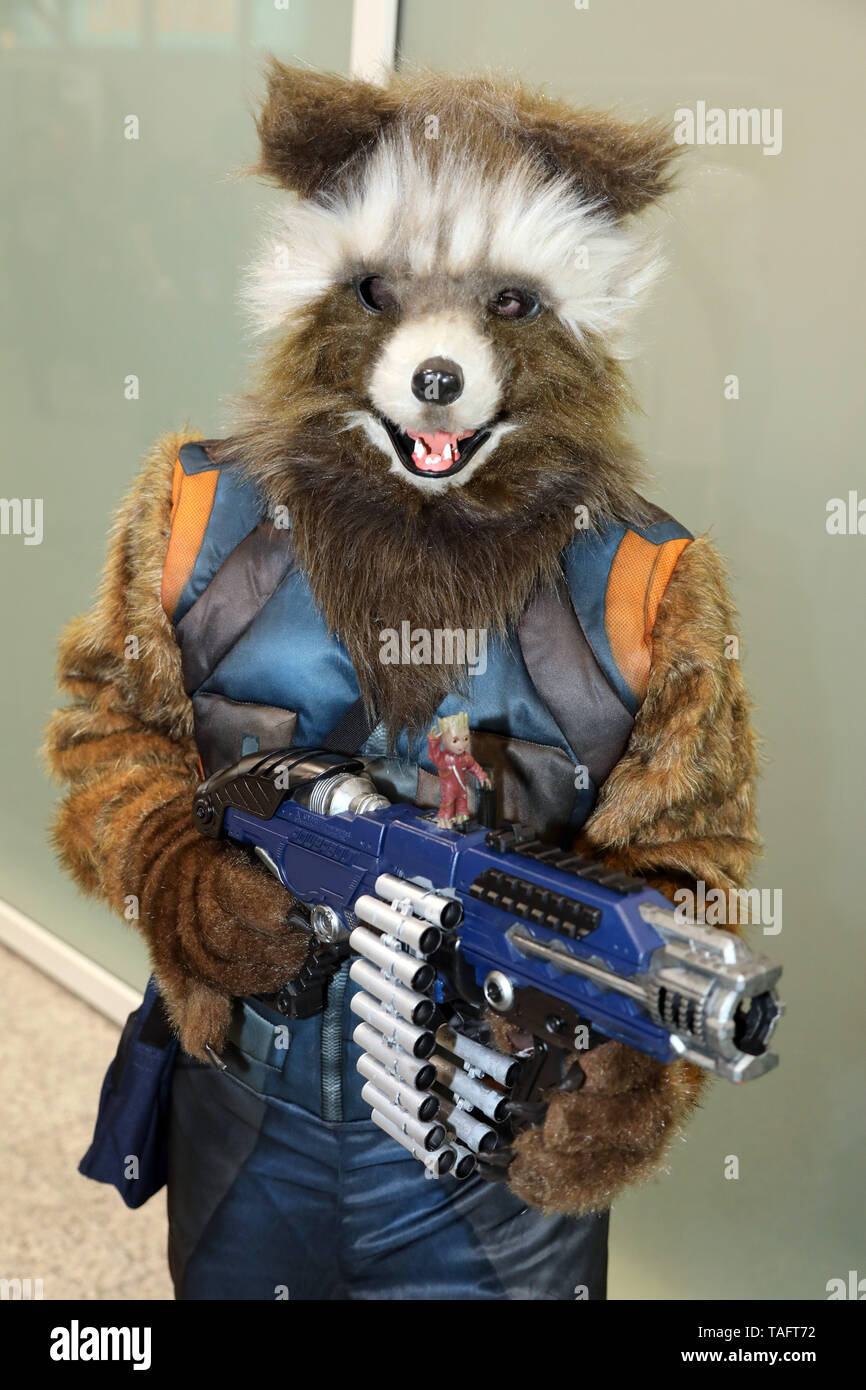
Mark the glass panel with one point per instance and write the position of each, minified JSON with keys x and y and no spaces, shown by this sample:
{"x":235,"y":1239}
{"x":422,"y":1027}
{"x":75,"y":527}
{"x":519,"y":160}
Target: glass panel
{"x":122,"y":236}
{"x":765,"y":283}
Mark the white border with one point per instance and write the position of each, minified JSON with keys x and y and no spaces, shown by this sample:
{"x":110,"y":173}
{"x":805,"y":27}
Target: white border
{"x":76,"y":972}
{"x":374,"y":38}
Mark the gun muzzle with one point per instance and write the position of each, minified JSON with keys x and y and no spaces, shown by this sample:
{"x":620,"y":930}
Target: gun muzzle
{"x":397,"y":1059}
{"x":415,"y":1008}
{"x":715,"y":997}
{"x":437,"y":1163}
{"x":436,"y":908}
{"x":418,"y":1041}
{"x":422,"y":1105}
{"x":477,"y":1093}
{"x":428,"y":1135}
{"x":494,"y":1064}
{"x":472,"y":1132}
{"x":414,"y":974}
{"x":418,"y":935}
{"x":419,"y":1075}
{"x":465,"y":1162}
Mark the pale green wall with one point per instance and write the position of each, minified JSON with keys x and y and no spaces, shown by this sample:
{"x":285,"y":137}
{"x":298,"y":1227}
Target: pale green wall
{"x":117,"y":257}
{"x":766,"y":282}
{"x":121,"y":257}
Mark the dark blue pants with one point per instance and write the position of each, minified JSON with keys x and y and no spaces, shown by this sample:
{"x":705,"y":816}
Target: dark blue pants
{"x":269,"y":1200}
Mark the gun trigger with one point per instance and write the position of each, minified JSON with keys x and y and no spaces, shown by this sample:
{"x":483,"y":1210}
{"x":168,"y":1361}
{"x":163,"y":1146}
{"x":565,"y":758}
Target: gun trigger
{"x":475,"y":1029}
{"x":574,"y":1078}
{"x":530,"y":1111}
{"x":494,"y":1167}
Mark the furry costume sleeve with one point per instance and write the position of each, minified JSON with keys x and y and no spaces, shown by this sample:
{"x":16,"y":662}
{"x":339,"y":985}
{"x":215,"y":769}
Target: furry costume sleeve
{"x":677,"y":808}
{"x":214,"y":920}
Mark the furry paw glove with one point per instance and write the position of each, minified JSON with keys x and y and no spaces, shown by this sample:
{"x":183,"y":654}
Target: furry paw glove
{"x":610,"y":1133}
{"x":214,"y":919}
{"x":216,"y":922}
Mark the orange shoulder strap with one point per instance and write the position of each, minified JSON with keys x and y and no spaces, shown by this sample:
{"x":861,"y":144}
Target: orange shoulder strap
{"x":191,"y":504}
{"x":638,"y":578}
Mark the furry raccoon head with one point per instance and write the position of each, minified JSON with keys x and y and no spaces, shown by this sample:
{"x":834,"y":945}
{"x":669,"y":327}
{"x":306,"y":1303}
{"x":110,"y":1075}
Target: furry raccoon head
{"x":447,"y":284}
{"x":451,"y":281}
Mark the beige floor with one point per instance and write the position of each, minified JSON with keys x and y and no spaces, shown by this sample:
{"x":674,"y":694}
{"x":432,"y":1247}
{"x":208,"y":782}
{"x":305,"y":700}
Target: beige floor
{"x":73,"y":1234}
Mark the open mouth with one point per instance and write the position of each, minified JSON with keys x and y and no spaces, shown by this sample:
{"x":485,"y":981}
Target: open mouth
{"x":435,"y":453}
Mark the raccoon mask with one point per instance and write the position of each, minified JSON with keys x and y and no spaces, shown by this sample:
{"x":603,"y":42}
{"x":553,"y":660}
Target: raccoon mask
{"x":448,"y":288}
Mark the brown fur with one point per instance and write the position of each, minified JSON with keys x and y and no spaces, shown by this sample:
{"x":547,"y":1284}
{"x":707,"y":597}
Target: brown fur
{"x":315,"y":129}
{"x":214,"y":920}
{"x":679,"y":801}
{"x":314,"y":125}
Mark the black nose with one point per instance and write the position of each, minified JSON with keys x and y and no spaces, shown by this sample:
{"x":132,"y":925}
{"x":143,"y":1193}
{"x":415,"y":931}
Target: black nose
{"x":437,"y":380}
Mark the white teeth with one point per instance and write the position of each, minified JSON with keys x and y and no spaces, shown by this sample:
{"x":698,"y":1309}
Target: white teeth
{"x":435,"y":459}
{"x":419,"y":451}
{"x":446,"y":452}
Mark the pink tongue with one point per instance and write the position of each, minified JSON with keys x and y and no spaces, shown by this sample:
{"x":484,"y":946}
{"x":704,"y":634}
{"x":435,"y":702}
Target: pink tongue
{"x":432,"y":461}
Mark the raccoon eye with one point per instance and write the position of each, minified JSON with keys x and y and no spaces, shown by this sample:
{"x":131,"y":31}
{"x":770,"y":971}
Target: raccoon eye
{"x":515,"y":304}
{"x":374,"y":293}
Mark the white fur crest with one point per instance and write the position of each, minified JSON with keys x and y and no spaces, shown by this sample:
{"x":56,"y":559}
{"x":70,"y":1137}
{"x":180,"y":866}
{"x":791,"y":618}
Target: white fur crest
{"x":534,"y":232}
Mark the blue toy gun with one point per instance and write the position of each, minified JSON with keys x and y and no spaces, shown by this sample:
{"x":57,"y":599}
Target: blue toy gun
{"x":444,"y":925}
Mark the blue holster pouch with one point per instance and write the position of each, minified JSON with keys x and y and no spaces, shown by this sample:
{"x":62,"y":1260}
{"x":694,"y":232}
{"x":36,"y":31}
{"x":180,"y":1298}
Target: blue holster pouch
{"x":130,"y":1141}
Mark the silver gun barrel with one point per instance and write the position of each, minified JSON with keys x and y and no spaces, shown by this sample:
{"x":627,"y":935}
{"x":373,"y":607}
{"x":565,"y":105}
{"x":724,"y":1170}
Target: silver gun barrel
{"x":418,"y":1041}
{"x":476,"y":1135}
{"x":479,"y":1095}
{"x":464,"y":1161}
{"x":436,"y":1163}
{"x":494,"y":1064}
{"x":418,"y":1074}
{"x":416,"y":1008}
{"x":433,"y":907}
{"x":422,"y":1105}
{"x":429,"y":1135}
{"x":413,"y":973}
{"x":417,"y":935}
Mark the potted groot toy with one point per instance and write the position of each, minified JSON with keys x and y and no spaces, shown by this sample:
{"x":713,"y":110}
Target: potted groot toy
{"x":449,"y":746}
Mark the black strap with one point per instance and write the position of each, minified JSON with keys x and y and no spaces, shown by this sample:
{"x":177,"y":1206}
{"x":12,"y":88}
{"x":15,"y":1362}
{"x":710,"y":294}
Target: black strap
{"x":233,"y":599}
{"x":352,"y":729}
{"x":562,"y":666}
{"x":236,"y":595}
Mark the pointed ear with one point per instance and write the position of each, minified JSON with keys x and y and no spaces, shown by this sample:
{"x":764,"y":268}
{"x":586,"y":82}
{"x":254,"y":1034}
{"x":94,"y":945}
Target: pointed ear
{"x":313,"y":125}
{"x":621,"y":166}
